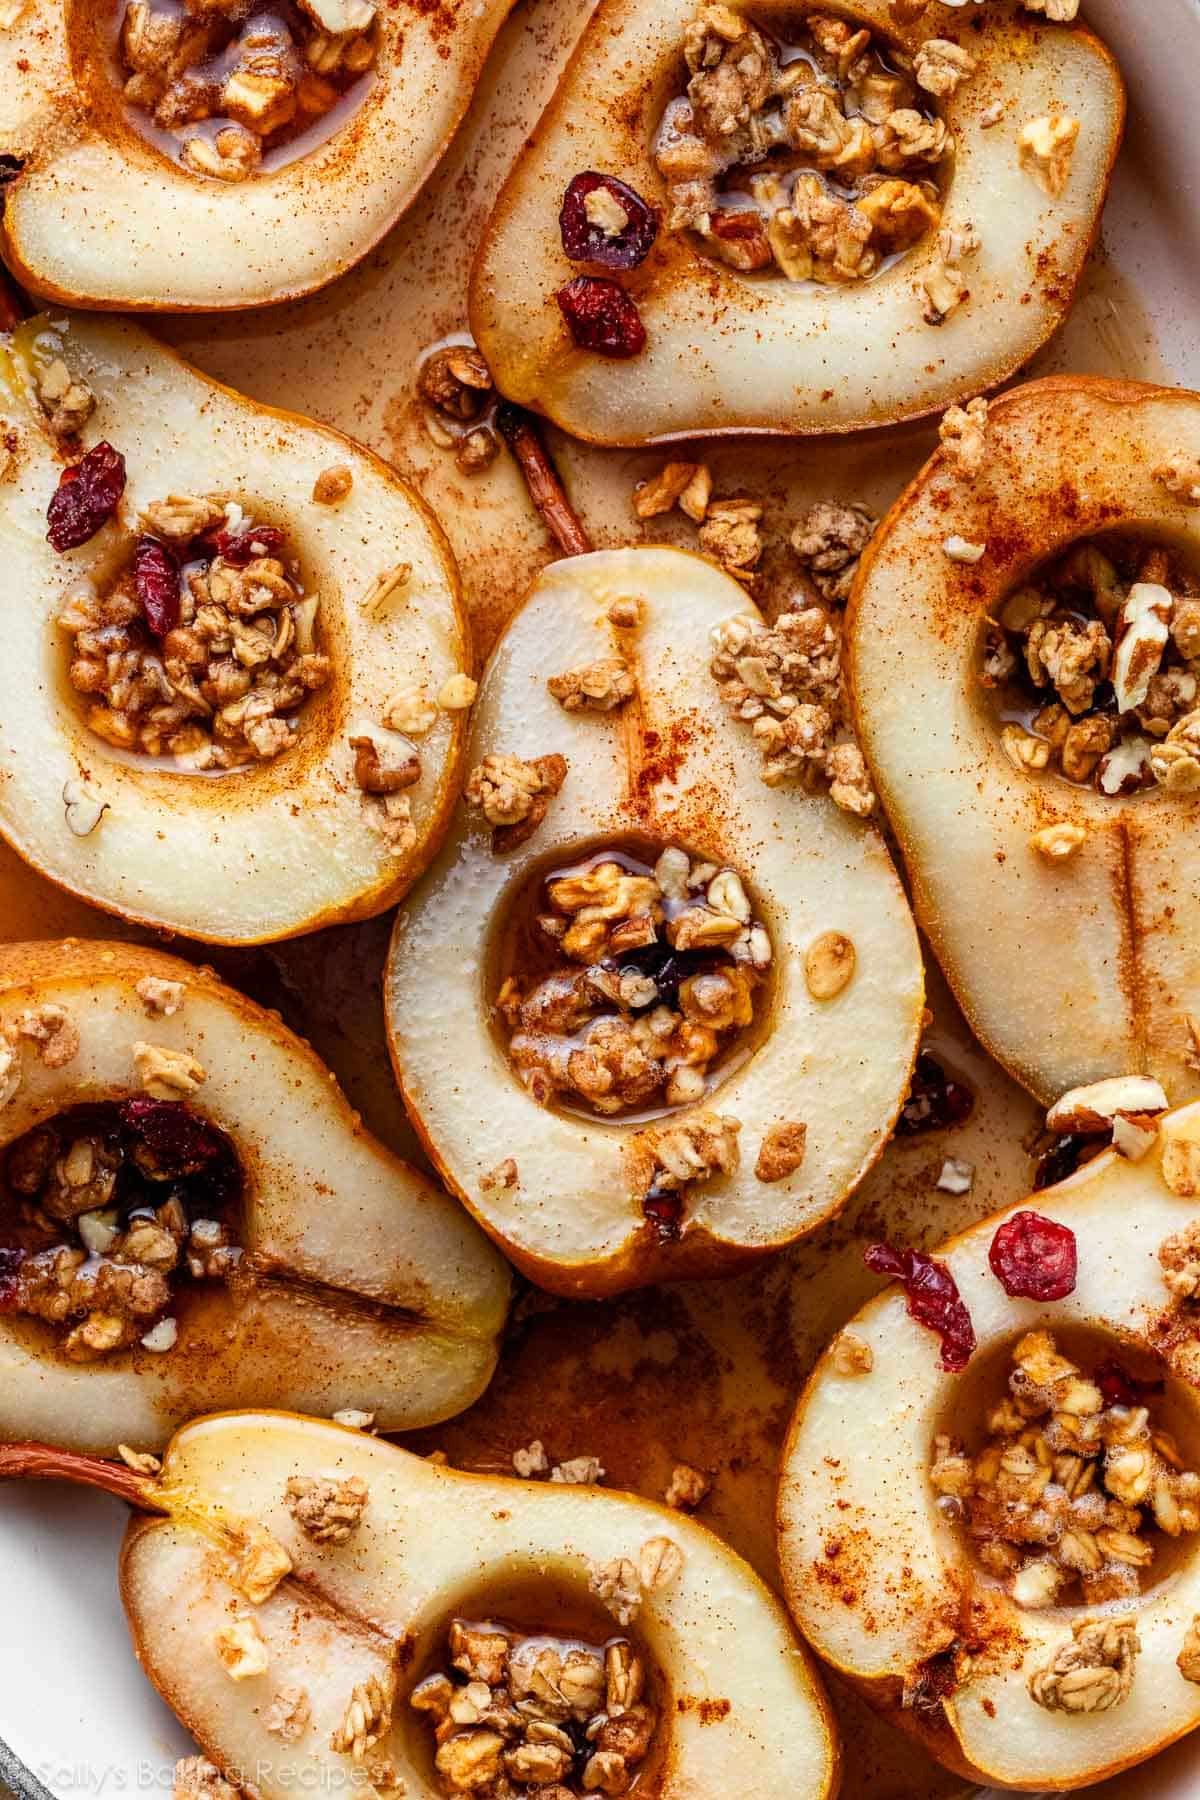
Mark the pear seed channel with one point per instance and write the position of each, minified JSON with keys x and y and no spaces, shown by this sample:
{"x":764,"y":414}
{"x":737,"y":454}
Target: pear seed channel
{"x":1075,"y":1486}
{"x":104,"y":1211}
{"x":1092,"y":669}
{"x":204,"y":649}
{"x":516,"y":1713}
{"x":629,"y":988}
{"x":817,"y":159}
{"x":231,"y":87}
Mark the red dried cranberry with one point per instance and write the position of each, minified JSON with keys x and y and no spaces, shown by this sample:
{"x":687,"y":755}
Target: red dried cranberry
{"x":601,"y":316}
{"x":1119,"y":1388}
{"x":936,"y":1101}
{"x":665,"y":1213}
{"x":585,"y":242}
{"x":1034,"y":1258}
{"x":242,"y":547}
{"x":179,"y":1142}
{"x":10,"y":1265}
{"x":156,"y":577}
{"x":933,"y":1299}
{"x":86,"y":497}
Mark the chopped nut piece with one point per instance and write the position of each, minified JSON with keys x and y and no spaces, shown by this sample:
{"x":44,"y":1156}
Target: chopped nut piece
{"x":578,"y":1471}
{"x":262,"y":1564}
{"x":1180,"y":1259}
{"x":1047,"y":148}
{"x":54,"y":1032}
{"x":374,"y":776}
{"x":327,"y":1511}
{"x":83,"y":809}
{"x":598,"y":687}
{"x":941,"y":67}
{"x":1024,"y":750}
{"x":625,"y":613}
{"x":159,"y":1339}
{"x":367,"y":1718}
{"x":242,"y":1648}
{"x":198,"y":1779}
{"x":829,"y":964}
{"x":1091,"y":1673}
{"x":67,"y":403}
{"x":501,"y":1178}
{"x":1144,"y":637}
{"x":619,"y":1586}
{"x":532,"y":1460}
{"x":1091,"y":1109}
{"x":828,"y":542}
{"x":963,"y":436}
{"x":1061,"y":11}
{"x":851,"y":1355}
{"x":1058,"y":843}
{"x":457,"y":693}
{"x":687,"y":1488}
{"x":161,"y":999}
{"x":961,"y":550}
{"x":384,"y":586}
{"x":333,"y":485}
{"x":781,"y":1151}
{"x":289,"y":1715}
{"x":730,"y":534}
{"x":1181,"y":477}
{"x":140,"y":1461}
{"x":354,"y":1419}
{"x":945,"y":289}
{"x":1181,"y":1160}
{"x":514,"y":796}
{"x":957,"y":1176}
{"x":664,"y":490}
{"x":1188,"y":1660}
{"x":166,"y":1074}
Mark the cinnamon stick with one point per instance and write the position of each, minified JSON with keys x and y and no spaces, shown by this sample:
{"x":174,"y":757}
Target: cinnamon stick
{"x":546,"y":490}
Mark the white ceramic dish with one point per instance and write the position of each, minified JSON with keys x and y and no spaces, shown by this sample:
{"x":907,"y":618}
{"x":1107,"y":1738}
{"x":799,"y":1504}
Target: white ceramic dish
{"x":76,"y":1716}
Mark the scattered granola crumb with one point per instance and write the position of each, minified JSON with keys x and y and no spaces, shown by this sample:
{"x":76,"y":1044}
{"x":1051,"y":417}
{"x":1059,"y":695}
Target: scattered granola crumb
{"x":82,"y":808}
{"x":367,"y":1719}
{"x":1188,"y":1660}
{"x":957,"y":1176}
{"x":618,"y":1585}
{"x":140,"y":1461}
{"x":730,"y":535}
{"x":598,"y":687}
{"x":852,"y":1355}
{"x":166,"y":1074}
{"x":963,"y":435}
{"x":458,"y":693}
{"x":532,"y":1460}
{"x":289,"y":1715}
{"x":410,"y":711}
{"x":54,"y":1032}
{"x":1058,"y":843}
{"x":333,"y":485}
{"x":262,"y":1563}
{"x":67,"y":402}
{"x":660,"y":1561}
{"x":626,"y":613}
{"x":384,"y":587}
{"x":1047,"y":149}
{"x":327,"y":1511}
{"x":241,"y":1647}
{"x":578,"y":1471}
{"x":942,"y":66}
{"x":782,"y":1150}
{"x":828,"y":542}
{"x":1059,"y":11}
{"x":962,"y":550}
{"x":1179,"y":1256}
{"x":501,"y":1178}
{"x":161,"y":999}
{"x":198,"y":1779}
{"x":514,"y":796}
{"x":1093,"y":1672}
{"x":693,"y":1150}
{"x":687,"y":1488}
{"x":1181,"y":477}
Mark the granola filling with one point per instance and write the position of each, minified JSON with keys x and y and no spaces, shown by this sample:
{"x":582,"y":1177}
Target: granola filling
{"x":1076,"y":1484}
{"x":818,"y":158}
{"x":205,"y":648}
{"x":516,"y":1713}
{"x":1092,"y":668}
{"x":105,"y":1210}
{"x":631,"y":988}
{"x":229,"y":88}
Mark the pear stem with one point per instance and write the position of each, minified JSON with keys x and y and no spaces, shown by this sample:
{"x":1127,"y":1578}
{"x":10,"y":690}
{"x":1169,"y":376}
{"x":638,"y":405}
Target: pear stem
{"x":542,"y":479}
{"x":45,"y":1462}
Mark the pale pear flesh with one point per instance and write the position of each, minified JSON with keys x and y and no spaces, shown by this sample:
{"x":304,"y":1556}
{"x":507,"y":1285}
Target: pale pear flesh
{"x":362,"y":1286}
{"x":1073,"y":971}
{"x":855,"y":1476}
{"x":743,"y":1711}
{"x":288,"y":845}
{"x":841,"y":1066}
{"x":726,"y":352}
{"x":100,"y":217}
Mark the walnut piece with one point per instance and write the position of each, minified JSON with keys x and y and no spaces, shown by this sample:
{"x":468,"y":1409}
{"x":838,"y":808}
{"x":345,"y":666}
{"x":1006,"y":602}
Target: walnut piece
{"x":1058,"y":843}
{"x":687,"y":1488}
{"x":514,"y":796}
{"x":54,"y":1032}
{"x":327,"y":1511}
{"x":1047,"y":149}
{"x":167,"y":1074}
{"x":597,"y":687}
{"x":67,"y":402}
{"x":941,"y":67}
{"x":1092,"y":1673}
{"x":782,"y":1150}
{"x":161,"y":999}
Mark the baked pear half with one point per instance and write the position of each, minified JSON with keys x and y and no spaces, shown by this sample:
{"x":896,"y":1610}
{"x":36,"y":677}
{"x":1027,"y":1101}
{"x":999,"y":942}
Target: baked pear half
{"x":190,"y":1215}
{"x":732,"y":219}
{"x":1022,"y":649}
{"x":327,"y":1608}
{"x":1004,"y":1560}
{"x":651,"y":1016}
{"x":211,"y":611}
{"x":169,"y":158}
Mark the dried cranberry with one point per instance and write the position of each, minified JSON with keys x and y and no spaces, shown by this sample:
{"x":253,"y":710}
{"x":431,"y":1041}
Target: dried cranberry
{"x":1119,"y":1388}
{"x":666,"y":968}
{"x":586,"y":242}
{"x":601,"y":316}
{"x":242,"y":547}
{"x":86,"y":497}
{"x":10,"y":1264}
{"x":156,"y":577}
{"x":1034,"y":1258}
{"x":935,"y":1101}
{"x":179,"y":1141}
{"x":665,"y":1213}
{"x":933,"y":1299}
